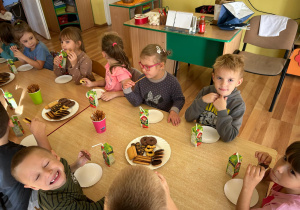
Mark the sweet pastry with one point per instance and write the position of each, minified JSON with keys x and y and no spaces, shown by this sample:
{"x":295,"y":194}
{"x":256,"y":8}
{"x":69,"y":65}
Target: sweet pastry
{"x":148,"y":149}
{"x":27,"y":120}
{"x":131,"y":151}
{"x":151,"y":141}
{"x":63,"y":100}
{"x":264,"y":165}
{"x":150,"y":154}
{"x":86,"y":155}
{"x":159,"y":152}
{"x":81,"y":81}
{"x":49,"y":106}
{"x":156,"y":162}
{"x":144,"y":141}
{"x":142,"y":160}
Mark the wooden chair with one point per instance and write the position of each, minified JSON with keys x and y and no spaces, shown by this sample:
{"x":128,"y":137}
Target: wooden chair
{"x":97,"y":68}
{"x":135,"y":74}
{"x":265,"y":65}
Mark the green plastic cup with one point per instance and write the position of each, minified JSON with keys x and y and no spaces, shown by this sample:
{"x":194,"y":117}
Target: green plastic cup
{"x":36,"y":97}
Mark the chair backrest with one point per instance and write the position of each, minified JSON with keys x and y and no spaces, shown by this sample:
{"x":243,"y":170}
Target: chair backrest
{"x":98,"y":68}
{"x":135,"y":74}
{"x":285,"y":39}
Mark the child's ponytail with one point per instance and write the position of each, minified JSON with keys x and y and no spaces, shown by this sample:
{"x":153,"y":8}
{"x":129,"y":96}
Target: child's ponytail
{"x":113,"y":46}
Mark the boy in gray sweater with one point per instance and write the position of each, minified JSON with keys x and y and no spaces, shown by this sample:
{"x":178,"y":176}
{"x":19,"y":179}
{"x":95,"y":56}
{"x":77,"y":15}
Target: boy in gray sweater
{"x":221,"y":105}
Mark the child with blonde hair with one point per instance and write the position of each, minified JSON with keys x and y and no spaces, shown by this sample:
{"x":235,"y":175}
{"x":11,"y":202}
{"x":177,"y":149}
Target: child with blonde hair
{"x":78,"y":64}
{"x":221,"y":105}
{"x":157,"y":88}
{"x":7,"y":39}
{"x":117,"y":67}
{"x":285,"y":193}
{"x":137,"y":187}
{"x":35,"y":52}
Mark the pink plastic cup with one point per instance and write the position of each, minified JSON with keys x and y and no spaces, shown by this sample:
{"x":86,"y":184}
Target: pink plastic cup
{"x":100,"y":126}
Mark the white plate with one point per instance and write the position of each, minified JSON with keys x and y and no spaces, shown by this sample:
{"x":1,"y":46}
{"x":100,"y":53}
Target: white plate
{"x":233,"y":188}
{"x":25,"y":67}
{"x":72,"y":111}
{"x":161,"y":144}
{"x":2,"y":60}
{"x":89,"y":174}
{"x":11,"y":78}
{"x":63,"y":79}
{"x":29,"y":141}
{"x":98,"y":91}
{"x":155,"y":116}
{"x":210,"y":135}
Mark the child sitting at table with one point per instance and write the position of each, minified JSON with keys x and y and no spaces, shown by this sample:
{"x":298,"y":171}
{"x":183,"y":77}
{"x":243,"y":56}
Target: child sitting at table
{"x":13,"y":195}
{"x":42,"y":170}
{"x":35,"y":52}
{"x":156,"y":88}
{"x":116,"y":68}
{"x":7,"y":39}
{"x":78,"y":64}
{"x":221,"y":105}
{"x":285,"y":193}
{"x":138,"y":187}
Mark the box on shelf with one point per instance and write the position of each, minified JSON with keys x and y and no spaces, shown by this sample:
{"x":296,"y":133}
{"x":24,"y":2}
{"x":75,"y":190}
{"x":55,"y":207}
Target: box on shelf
{"x":63,"y":19}
{"x":70,"y":8}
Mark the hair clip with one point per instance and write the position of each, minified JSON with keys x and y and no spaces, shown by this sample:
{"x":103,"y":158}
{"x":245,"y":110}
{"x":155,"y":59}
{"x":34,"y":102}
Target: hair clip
{"x":18,"y":23}
{"x":158,"y":49}
{"x":115,"y":43}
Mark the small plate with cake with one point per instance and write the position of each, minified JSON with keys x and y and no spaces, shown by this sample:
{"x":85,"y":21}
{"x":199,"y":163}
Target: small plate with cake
{"x":60,"y":109}
{"x":151,"y":151}
{"x":29,"y":141}
{"x":6,"y":77}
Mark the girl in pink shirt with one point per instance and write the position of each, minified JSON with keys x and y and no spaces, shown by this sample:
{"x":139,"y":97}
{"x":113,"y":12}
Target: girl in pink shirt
{"x":116,"y":68}
{"x":285,"y":193}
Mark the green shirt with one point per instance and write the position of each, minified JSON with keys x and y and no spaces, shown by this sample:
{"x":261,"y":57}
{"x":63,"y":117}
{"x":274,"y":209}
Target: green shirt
{"x":69,"y":196}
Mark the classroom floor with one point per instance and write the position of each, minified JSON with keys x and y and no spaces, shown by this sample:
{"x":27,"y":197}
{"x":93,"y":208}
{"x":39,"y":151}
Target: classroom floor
{"x":276,"y":130}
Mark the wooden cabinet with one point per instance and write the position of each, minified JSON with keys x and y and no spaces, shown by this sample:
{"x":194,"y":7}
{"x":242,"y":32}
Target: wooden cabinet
{"x":121,"y":13}
{"x":78,"y":14}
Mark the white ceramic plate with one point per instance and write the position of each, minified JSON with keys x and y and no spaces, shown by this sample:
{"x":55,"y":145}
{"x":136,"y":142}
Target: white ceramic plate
{"x":2,"y":60}
{"x":11,"y":78}
{"x":98,"y":91}
{"x":72,"y":111}
{"x":161,"y":144}
{"x":89,"y":174}
{"x":232,"y":191}
{"x":63,"y":79}
{"x":25,"y":67}
{"x":155,"y":116}
{"x":210,"y":135}
{"x":29,"y":141}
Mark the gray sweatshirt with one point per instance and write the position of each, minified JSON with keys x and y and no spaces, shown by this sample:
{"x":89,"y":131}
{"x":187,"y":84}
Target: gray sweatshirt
{"x":227,"y":122}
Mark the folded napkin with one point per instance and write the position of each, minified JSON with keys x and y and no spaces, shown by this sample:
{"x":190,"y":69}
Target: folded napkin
{"x":6,"y":16}
{"x":272,"y":25}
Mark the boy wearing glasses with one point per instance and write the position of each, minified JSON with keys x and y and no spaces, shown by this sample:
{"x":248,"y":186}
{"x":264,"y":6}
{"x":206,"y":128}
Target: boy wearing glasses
{"x":156,"y":87}
{"x":221,"y":105}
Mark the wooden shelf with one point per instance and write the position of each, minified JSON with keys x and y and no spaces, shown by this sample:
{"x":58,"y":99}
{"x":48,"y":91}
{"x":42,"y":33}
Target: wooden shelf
{"x":67,"y":13}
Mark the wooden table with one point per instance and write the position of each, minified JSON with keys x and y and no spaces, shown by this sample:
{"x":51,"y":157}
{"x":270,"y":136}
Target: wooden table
{"x":196,"y":175}
{"x":198,"y":49}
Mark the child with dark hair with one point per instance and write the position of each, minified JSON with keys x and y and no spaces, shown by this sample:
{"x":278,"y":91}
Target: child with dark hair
{"x":13,"y":195}
{"x":117,"y":68}
{"x":157,"y":88}
{"x":35,"y":52}
{"x":285,"y":193}
{"x":7,"y":39}
{"x":78,"y":64}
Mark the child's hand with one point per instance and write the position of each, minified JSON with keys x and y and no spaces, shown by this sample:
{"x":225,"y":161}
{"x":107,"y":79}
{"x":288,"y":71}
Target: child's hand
{"x":106,"y":96}
{"x":13,"y":48}
{"x":82,"y":159}
{"x":253,"y":175}
{"x":57,"y":60}
{"x":128,"y":84}
{"x":174,"y":118}
{"x":37,"y":127}
{"x":164,"y":183}
{"x":17,"y":53}
{"x":263,"y":157}
{"x":220,"y":103}
{"x":72,"y":58}
{"x":87,"y":82}
{"x":210,"y":98}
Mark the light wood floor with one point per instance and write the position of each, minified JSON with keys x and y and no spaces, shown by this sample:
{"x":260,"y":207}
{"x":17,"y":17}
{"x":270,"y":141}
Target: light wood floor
{"x":276,"y":130}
